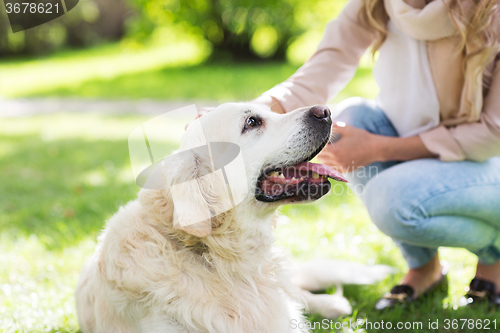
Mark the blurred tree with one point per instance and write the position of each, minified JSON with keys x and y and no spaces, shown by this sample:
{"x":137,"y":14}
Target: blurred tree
{"x":91,"y":22}
{"x":241,"y":28}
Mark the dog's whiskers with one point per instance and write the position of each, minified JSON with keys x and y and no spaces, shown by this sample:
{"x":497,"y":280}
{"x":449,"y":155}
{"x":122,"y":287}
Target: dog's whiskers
{"x":334,"y":137}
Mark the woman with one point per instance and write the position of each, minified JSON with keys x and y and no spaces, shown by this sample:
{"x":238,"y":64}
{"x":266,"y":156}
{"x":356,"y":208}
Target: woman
{"x":433,"y":134}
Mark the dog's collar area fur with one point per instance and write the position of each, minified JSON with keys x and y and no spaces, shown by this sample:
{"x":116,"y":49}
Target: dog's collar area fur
{"x":200,"y":249}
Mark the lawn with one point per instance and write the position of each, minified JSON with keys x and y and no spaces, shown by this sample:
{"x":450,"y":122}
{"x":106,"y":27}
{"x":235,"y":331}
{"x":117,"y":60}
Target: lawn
{"x":63,"y":175}
{"x":111,"y":72}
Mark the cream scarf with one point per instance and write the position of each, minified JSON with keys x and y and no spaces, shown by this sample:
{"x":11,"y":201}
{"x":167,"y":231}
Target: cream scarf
{"x":431,"y":22}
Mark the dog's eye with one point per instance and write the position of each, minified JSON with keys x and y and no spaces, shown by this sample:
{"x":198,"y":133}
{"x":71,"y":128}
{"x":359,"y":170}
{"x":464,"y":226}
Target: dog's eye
{"x":251,"y":122}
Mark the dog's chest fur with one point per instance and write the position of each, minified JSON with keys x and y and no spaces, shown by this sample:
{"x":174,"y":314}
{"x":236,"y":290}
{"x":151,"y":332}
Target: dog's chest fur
{"x":222,"y":285}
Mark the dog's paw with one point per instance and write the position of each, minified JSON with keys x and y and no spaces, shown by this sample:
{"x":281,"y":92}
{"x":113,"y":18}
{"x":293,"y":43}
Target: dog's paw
{"x":330,"y":306}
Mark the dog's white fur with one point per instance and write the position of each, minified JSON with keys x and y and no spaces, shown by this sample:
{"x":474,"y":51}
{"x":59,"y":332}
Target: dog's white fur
{"x":154,"y":272}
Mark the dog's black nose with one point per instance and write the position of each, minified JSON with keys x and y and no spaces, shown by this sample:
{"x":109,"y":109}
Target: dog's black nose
{"x":320,"y":112}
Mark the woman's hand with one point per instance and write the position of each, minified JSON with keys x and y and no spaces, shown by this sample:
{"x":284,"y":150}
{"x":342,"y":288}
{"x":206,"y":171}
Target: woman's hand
{"x":272,"y":102}
{"x":356,"y":148}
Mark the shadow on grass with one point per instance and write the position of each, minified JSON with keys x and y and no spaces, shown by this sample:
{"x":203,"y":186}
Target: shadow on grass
{"x":62,"y":190}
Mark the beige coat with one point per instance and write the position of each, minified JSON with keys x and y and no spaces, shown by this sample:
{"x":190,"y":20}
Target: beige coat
{"x":470,"y":118}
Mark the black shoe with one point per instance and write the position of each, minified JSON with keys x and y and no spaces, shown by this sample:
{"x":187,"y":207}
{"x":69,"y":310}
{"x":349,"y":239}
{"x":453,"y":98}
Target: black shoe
{"x":480,"y":291}
{"x":399,"y":295}
{"x":404,"y":294}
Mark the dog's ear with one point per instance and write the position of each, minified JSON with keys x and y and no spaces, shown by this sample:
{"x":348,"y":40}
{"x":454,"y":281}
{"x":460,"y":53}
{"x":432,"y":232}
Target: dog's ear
{"x":199,"y":192}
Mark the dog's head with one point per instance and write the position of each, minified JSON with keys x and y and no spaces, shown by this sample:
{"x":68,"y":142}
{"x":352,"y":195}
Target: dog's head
{"x":244,"y":154}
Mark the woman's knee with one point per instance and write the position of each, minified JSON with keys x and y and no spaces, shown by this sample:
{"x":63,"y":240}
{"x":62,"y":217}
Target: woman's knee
{"x":387,"y":202}
{"x":365,"y":114}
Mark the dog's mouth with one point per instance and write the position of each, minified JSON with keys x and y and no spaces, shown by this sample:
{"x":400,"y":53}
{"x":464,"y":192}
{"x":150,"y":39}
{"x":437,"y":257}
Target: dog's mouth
{"x":294,"y":183}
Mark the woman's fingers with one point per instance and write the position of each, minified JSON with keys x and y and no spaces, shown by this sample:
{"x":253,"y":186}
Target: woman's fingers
{"x":327,"y":156}
{"x":330,"y":159}
{"x":339,"y":129}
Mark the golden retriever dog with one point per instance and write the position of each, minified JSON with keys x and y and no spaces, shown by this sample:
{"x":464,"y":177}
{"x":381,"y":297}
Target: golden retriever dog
{"x":194,"y":253}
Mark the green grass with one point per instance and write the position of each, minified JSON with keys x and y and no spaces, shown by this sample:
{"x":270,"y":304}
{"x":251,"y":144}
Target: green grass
{"x":63,"y":175}
{"x":168,"y":72}
{"x":71,"y":69}
{"x":212,"y":81}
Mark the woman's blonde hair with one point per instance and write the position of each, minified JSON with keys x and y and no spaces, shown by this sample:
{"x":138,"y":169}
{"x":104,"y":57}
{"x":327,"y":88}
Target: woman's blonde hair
{"x":475,"y":24}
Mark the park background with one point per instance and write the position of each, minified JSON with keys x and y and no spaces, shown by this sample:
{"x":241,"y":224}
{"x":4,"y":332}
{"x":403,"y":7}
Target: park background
{"x":72,"y":90}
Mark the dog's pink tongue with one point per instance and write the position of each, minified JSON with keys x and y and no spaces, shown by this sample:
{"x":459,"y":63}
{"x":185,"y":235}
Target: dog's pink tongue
{"x":322,"y":170}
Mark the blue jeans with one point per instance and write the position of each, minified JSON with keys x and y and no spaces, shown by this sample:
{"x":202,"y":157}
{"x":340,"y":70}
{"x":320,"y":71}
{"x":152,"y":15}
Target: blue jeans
{"x":426,"y":203}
